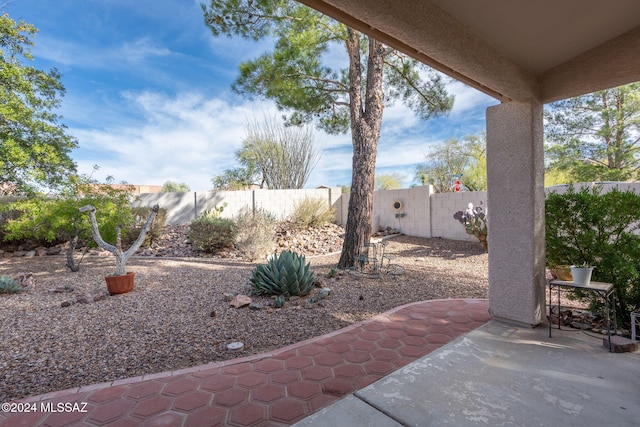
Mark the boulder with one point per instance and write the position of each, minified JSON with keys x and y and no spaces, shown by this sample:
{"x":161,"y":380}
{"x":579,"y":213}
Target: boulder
{"x":240,"y":301}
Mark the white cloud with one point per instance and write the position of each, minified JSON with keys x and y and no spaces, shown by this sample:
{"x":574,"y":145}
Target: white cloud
{"x":185,"y":139}
{"x":468,"y":98}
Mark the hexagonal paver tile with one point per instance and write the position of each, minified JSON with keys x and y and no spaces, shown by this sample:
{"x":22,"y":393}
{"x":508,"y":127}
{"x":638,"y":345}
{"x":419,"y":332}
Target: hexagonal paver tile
{"x":191,"y":400}
{"x":287,"y":411}
{"x":285,"y":355}
{"x":338,"y":347}
{"x":374,"y":327}
{"x":207,"y":417}
{"x":107,"y":394}
{"x":298,"y":362}
{"x":438,"y":338}
{"x":412,"y":340}
{"x":237,"y":369}
{"x":205,"y":373}
{"x":110,"y":411}
{"x":152,"y":406}
{"x":180,"y":386}
{"x":217,"y":383}
{"x":348,"y":371}
{"x":285,"y":377}
{"x":145,"y":389}
{"x":412,"y":351}
{"x":398,"y":316}
{"x":347,"y":337}
{"x":304,"y":389}
{"x":389,"y":343}
{"x":338,"y":386}
{"x":248,"y":414}
{"x":166,"y":419}
{"x":364,"y":345}
{"x":394,"y":333}
{"x":251,"y":379}
{"x":370,"y":336}
{"x":415,"y":332}
{"x":267,"y":393}
{"x":357,"y":356}
{"x":328,"y":359}
{"x":59,"y":419}
{"x":268,"y":365}
{"x":416,"y":315}
{"x":379,"y":367}
{"x":310,"y":350}
{"x":231,"y":397}
{"x":384,"y":354}
{"x":316,"y":373}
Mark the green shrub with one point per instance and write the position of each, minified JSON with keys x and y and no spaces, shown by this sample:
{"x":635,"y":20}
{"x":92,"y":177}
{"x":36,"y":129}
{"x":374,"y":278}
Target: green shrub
{"x":140,"y":215}
{"x":212,"y":234}
{"x":312,"y":213}
{"x":600,"y":229}
{"x":9,"y":285}
{"x":284,"y":274}
{"x":256,"y":234}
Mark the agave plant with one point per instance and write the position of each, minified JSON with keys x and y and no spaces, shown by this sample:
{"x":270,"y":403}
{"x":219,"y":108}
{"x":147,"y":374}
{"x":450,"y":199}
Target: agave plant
{"x":286,"y":274}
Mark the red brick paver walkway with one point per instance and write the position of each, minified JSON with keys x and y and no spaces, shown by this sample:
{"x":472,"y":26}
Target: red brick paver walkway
{"x":270,"y":389}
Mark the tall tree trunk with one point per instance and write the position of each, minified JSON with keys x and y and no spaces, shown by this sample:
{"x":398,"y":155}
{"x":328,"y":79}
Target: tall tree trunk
{"x":366,"y":119}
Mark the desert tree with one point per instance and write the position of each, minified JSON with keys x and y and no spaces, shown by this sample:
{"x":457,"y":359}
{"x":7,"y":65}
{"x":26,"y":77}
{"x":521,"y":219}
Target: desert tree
{"x":175,"y":187}
{"x":305,"y":85}
{"x":34,"y":146}
{"x":595,"y":137}
{"x":455,"y":159}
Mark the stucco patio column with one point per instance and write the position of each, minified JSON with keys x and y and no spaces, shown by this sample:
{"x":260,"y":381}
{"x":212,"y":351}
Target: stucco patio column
{"x":515,"y":183}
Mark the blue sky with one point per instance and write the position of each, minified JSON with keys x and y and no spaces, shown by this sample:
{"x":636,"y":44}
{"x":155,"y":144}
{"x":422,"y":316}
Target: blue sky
{"x":149,"y":99}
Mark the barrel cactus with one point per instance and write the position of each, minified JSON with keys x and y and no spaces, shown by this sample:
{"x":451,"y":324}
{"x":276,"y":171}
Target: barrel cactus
{"x":285,"y":274}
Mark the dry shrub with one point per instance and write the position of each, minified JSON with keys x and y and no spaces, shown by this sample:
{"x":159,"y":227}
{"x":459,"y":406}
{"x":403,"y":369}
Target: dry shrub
{"x":212,"y":234}
{"x":312,"y":213}
{"x":256,"y":234}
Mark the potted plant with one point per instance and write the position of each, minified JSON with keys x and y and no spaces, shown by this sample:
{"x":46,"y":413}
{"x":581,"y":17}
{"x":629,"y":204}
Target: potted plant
{"x":121,"y":281}
{"x":581,"y":274}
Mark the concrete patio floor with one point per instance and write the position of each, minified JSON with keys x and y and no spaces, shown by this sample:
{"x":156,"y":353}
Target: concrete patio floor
{"x":501,"y":375}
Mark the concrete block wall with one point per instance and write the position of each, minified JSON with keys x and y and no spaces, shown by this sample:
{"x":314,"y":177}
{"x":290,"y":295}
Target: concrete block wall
{"x":426,"y":214}
{"x":413,"y":218}
{"x":185,"y":207}
{"x":445,"y":205}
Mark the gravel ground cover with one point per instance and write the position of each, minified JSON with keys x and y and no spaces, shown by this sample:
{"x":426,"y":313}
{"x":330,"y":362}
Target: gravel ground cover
{"x":177,"y":315}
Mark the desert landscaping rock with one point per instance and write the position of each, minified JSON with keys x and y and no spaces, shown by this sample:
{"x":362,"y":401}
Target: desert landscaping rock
{"x":240,"y":301}
{"x":178,"y":314}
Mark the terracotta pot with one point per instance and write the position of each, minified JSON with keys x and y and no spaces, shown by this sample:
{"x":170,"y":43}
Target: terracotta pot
{"x":120,"y":284}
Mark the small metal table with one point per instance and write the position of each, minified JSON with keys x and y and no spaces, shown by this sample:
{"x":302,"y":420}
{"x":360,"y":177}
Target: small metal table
{"x":603,"y":290}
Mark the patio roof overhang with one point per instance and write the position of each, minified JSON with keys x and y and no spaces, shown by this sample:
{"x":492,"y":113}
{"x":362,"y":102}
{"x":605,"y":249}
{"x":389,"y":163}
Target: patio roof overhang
{"x":510,"y":49}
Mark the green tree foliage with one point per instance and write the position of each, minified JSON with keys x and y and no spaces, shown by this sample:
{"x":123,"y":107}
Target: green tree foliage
{"x":53,"y":218}
{"x":34,"y":146}
{"x":595,"y":137}
{"x":175,"y":187}
{"x":600,"y":229}
{"x":466,"y":159}
{"x":277,"y":156}
{"x":337,"y":99}
{"x":388,"y":181}
{"x":239,"y":178}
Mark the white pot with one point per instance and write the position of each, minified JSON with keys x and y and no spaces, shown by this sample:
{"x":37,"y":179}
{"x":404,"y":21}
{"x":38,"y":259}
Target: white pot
{"x":581,"y":275}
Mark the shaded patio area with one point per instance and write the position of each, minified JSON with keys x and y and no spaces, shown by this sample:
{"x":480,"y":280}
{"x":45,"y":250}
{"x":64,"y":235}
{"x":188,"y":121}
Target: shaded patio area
{"x":501,"y":375}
